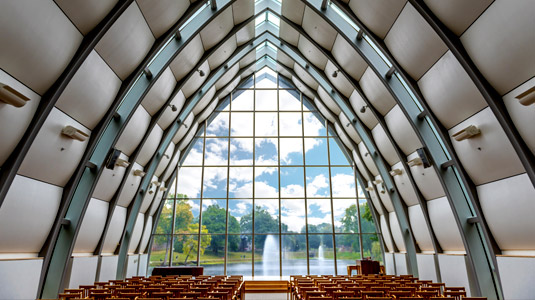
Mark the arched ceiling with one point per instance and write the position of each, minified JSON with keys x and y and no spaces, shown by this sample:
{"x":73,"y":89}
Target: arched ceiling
{"x":395,"y":77}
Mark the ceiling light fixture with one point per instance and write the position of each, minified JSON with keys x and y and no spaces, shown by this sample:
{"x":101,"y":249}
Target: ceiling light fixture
{"x":201,"y":72}
{"x":363,"y":109}
{"x":173,"y":107}
{"x":335,"y":73}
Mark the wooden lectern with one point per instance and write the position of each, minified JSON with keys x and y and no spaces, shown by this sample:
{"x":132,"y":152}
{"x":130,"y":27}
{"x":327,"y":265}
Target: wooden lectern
{"x":368,"y":266}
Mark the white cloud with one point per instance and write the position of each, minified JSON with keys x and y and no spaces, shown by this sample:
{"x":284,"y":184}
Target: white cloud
{"x":343,"y":185}
{"x":293,"y":190}
{"x":314,"y":185}
{"x":264,"y":190}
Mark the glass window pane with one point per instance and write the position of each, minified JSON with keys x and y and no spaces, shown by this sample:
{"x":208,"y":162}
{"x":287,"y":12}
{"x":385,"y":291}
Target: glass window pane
{"x":266,"y":151}
{"x":240,"y":216}
{"x":218,"y":125}
{"x":347,"y":251}
{"x":294,"y":255}
{"x":316,"y":151}
{"x":346,"y":216}
{"x":165,"y":221}
{"x":318,"y":182}
{"x":215,"y":182}
{"x":159,"y":256}
{"x":241,"y":151}
{"x":372,"y":247}
{"x":241,"y":124}
{"x":240,"y":258}
{"x":313,"y":126}
{"x":266,"y":124}
{"x":214,"y":219}
{"x":320,"y":249}
{"x":336,"y":154}
{"x":194,"y":156}
{"x":225,"y":104}
{"x":242,"y":100}
{"x":216,"y":152}
{"x":290,"y":124}
{"x":291,"y":151}
{"x":185,"y":250}
{"x":240,"y":182}
{"x":267,"y":255}
{"x":266,"y":78}
{"x":189,"y":182}
{"x":187,"y":216}
{"x":289,"y":100}
{"x":266,"y":216}
{"x":212,"y":260}
{"x":319,"y":216}
{"x":293,"y":216}
{"x":292,"y":182}
{"x":343,"y":182}
{"x":266,"y":184}
{"x":266,"y":100}
{"x":366,"y":218}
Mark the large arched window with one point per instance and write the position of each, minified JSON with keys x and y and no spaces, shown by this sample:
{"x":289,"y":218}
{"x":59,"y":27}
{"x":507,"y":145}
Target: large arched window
{"x":265,"y":189}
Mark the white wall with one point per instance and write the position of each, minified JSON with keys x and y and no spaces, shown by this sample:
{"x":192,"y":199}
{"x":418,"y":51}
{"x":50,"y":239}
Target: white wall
{"x":19,"y":278}
{"x":517,"y":275}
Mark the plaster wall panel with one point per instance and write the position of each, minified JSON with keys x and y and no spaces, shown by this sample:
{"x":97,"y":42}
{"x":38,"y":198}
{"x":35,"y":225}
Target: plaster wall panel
{"x":132,"y":263}
{"x":375,"y":200}
{"x":136,"y":234}
{"x":245,"y":34}
{"x":53,"y":157}
{"x":231,"y":74}
{"x":146,"y":235}
{"x":489,"y":155}
{"x":149,"y":147}
{"x":385,"y":230}
{"x":343,"y":136}
{"x":401,"y":263}
{"x":36,"y":61}
{"x":217,"y":29}
{"x":127,"y":42}
{"x":222,"y":53}
{"x":86,"y":15}
{"x":143,"y":262}
{"x":340,"y":82}
{"x":453,"y":271}
{"x":293,"y":10}
{"x":115,"y":230}
{"x":161,"y":15}
{"x":444,"y":225}
{"x":516,"y":275}
{"x":360,"y":165}
{"x":19,"y":279}
{"x":349,"y":128}
{"x":164,"y":161}
{"x":183,"y":128}
{"x":384,"y":145}
{"x":160,"y":92}
{"x":503,"y":23}
{"x":242,"y":10}
{"x":208,"y":110}
{"x":368,"y":161}
{"x":378,"y":16}
{"x":426,"y":267}
{"x":457,"y":15}
{"x":188,"y":137}
{"x":172,"y":165}
{"x":90,"y":93}
{"x":169,"y":115}
{"x":329,"y":101}
{"x":134,"y":131}
{"x":82,"y":271}
{"x":508,"y":207}
{"x":390,"y":266}
{"x":325,"y":112}
{"x":305,"y":77}
{"x":419,"y":228}
{"x":130,"y":186}
{"x":413,"y":43}
{"x":383,"y":193}
{"x":365,"y":117}
{"x":318,"y":29}
{"x":195,"y":81}
{"x":108,"y":268}
{"x":15,"y":120}
{"x":404,"y":185}
{"x":27,"y":215}
{"x":352,"y":63}
{"x":402,"y":131}
{"x":246,"y":60}
{"x":157,"y":200}
{"x":109,"y":181}
{"x":312,"y":53}
{"x":186,"y":60}
{"x":149,"y":195}
{"x":396,"y":234}
{"x":288,"y":34}
{"x":376,"y":92}
{"x":204,"y":101}
{"x":426,"y":179}
{"x":286,"y":60}
{"x":521,"y":115}
{"x":92,"y":226}
{"x":449,"y":91}
{"x":303,"y":88}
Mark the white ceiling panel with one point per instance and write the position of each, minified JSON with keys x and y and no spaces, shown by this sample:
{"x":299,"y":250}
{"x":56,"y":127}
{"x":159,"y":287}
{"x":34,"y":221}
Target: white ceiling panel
{"x":318,"y":29}
{"x":522,"y":115}
{"x":385,"y":145}
{"x":324,"y":110}
{"x":293,"y":10}
{"x":288,"y":33}
{"x":402,"y":131}
{"x":329,"y":101}
{"x":378,"y":16}
{"x":350,"y":60}
{"x":159,"y":93}
{"x":217,"y":29}
{"x":340,"y":82}
{"x":204,"y":101}
{"x":169,"y":115}
{"x":376,"y":92}
{"x":162,"y":14}
{"x":186,"y":60}
{"x":312,"y":53}
{"x":242,"y":10}
{"x":86,"y":14}
{"x":245,"y":34}
{"x":457,"y":14}
{"x":285,"y":59}
{"x":305,"y":77}
{"x":349,"y":128}
{"x":222,"y":53}
{"x":231,"y":73}
{"x":367,"y":117}
{"x":196,"y":80}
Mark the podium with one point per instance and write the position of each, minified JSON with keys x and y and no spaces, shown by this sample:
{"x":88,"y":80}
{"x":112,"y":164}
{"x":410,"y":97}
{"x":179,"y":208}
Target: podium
{"x":368,"y":267}
{"x":182,"y":270}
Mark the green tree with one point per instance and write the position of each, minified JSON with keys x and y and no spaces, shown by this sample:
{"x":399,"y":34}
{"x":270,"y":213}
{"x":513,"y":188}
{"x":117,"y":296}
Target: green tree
{"x":214,"y":218}
{"x":263,"y":222}
{"x":187,"y":243}
{"x":349,"y":225}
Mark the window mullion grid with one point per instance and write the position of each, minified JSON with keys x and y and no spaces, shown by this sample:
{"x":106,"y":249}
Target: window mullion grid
{"x":279,"y":161}
{"x":305,"y":183}
{"x":202,"y":196}
{"x":358,"y":211}
{"x":254,"y":173}
{"x":228,"y":193}
{"x":172,"y":236}
{"x":331,"y":193}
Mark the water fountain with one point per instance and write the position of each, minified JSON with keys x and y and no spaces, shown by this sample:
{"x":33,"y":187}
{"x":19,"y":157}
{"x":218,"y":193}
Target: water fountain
{"x":321,"y":255}
{"x":270,"y":256}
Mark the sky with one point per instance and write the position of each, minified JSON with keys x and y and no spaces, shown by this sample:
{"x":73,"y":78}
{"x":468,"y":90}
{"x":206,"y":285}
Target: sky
{"x":259,"y":138}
